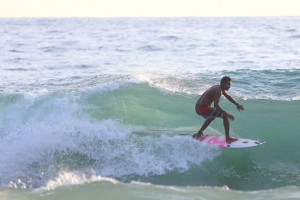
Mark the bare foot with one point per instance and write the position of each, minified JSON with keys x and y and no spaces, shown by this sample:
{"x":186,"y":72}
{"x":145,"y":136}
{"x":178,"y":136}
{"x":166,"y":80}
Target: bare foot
{"x":230,"y":139}
{"x":198,"y":135}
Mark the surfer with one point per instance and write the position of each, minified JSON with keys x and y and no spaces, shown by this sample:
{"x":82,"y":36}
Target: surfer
{"x":204,"y":109}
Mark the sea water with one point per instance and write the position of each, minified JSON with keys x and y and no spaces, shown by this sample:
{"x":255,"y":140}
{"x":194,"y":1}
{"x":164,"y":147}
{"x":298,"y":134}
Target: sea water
{"x":95,"y":108}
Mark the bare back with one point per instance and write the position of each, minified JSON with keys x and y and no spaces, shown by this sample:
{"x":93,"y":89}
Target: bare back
{"x":209,"y":96}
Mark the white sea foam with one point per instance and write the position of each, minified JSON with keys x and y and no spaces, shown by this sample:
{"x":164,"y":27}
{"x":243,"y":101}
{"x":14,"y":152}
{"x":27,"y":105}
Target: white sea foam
{"x":46,"y":133}
{"x":67,"y":178}
{"x":32,"y":131}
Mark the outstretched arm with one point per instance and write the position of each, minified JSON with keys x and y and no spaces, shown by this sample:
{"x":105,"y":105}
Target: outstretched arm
{"x":238,"y":106}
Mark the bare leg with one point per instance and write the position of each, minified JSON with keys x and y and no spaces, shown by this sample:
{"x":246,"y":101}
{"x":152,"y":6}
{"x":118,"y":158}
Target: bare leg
{"x":226,"y":127}
{"x":204,"y":126}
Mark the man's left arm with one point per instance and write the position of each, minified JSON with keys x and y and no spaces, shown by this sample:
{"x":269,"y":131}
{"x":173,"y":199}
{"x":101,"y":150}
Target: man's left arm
{"x":238,"y":106}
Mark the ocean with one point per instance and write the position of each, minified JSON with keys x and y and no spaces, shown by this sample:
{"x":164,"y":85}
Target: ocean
{"x":95,"y":108}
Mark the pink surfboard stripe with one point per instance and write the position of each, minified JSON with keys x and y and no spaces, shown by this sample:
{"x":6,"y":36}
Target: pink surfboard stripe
{"x":215,"y":140}
{"x":220,"y":141}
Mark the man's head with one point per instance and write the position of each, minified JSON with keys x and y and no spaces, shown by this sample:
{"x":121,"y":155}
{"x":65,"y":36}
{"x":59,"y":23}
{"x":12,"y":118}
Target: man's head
{"x":225,"y":83}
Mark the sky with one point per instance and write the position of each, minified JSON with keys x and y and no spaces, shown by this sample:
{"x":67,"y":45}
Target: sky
{"x":147,"y":8}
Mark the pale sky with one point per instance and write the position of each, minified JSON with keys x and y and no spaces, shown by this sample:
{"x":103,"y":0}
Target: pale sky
{"x":147,"y":8}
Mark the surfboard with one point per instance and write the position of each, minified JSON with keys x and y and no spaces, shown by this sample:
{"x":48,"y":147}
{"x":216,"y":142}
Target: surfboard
{"x":220,"y":141}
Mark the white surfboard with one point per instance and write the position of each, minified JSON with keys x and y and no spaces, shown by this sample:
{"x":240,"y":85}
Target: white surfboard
{"x":220,"y":141}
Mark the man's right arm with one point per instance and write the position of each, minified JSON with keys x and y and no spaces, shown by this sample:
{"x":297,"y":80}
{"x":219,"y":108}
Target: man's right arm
{"x":217,"y":101}
{"x":217,"y":106}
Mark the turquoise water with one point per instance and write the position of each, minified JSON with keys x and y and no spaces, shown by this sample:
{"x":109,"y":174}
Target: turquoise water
{"x":94,"y":108}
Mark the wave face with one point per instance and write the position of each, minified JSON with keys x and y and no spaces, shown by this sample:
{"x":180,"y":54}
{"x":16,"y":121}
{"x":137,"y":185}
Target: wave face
{"x":42,"y":136}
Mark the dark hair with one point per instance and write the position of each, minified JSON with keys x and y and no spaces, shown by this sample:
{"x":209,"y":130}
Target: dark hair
{"x":225,"y":79}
